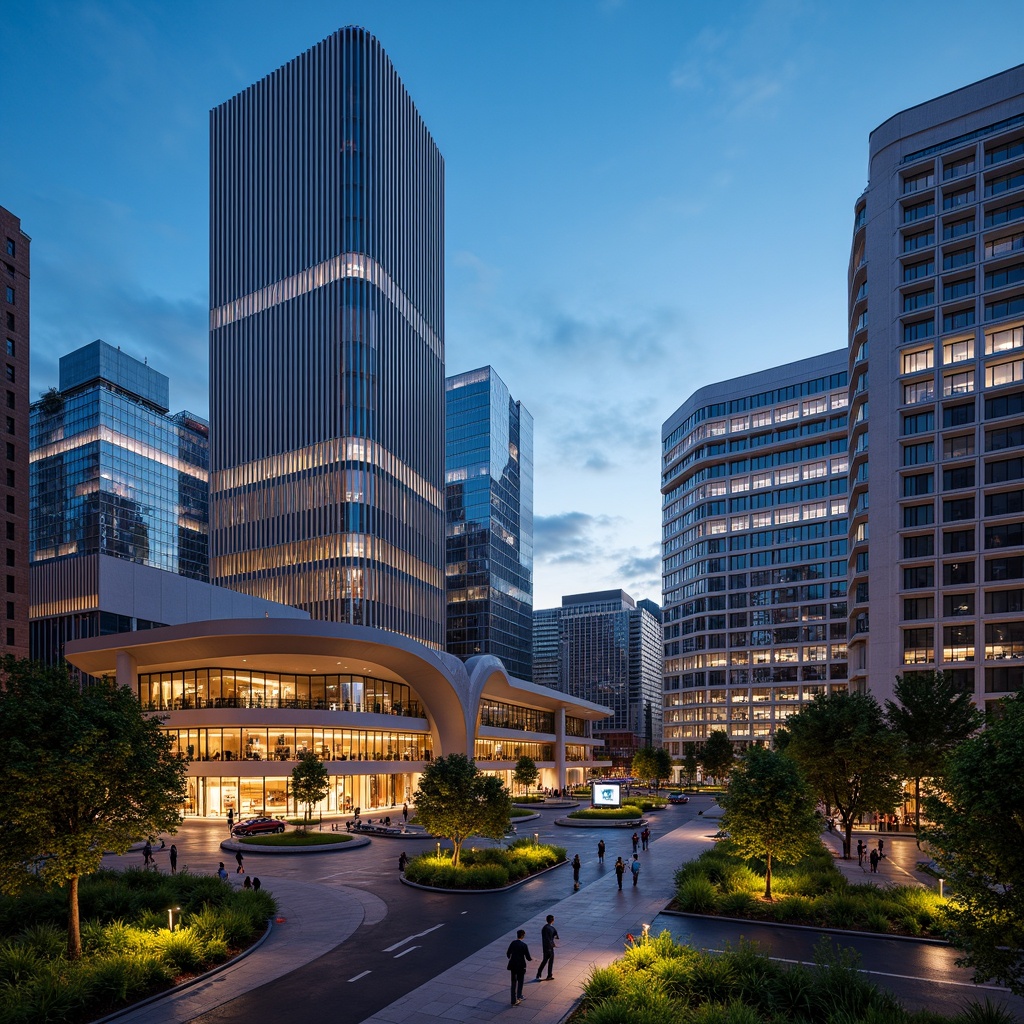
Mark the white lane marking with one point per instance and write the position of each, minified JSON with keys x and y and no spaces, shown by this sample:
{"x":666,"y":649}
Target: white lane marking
{"x":404,"y":951}
{"x":358,"y":976}
{"x":409,"y":938}
{"x":886,"y":974}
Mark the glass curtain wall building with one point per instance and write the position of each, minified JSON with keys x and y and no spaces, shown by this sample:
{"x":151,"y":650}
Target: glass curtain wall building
{"x":327,"y":343}
{"x":939,"y":237}
{"x":609,"y":652}
{"x":489,"y":521}
{"x":754,"y":544}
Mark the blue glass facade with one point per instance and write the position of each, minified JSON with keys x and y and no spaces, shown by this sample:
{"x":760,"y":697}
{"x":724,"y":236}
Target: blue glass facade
{"x":111,"y":473}
{"x":327,"y":343}
{"x":489,"y":521}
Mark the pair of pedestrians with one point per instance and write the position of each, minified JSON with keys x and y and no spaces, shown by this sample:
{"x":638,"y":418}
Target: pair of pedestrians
{"x":634,"y":870}
{"x":518,"y":953}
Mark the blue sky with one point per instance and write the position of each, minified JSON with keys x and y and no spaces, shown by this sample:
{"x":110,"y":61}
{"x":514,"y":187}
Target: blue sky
{"x":642,"y":197}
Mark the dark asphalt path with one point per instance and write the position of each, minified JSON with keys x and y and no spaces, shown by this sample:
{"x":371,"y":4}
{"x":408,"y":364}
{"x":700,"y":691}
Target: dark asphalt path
{"x":922,"y":975}
{"x":425,"y":933}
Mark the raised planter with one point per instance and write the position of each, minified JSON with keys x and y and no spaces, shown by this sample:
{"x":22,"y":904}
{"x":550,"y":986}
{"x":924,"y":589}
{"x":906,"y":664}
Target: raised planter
{"x":353,"y":843}
{"x":601,"y":822}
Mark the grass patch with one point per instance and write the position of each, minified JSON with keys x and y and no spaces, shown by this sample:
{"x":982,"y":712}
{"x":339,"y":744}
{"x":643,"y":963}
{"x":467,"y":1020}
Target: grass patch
{"x":520,"y":813}
{"x":295,"y":839}
{"x":490,"y":868}
{"x":532,"y":798}
{"x":657,"y":981}
{"x":127,"y":951}
{"x":625,"y":813}
{"x":812,"y":892}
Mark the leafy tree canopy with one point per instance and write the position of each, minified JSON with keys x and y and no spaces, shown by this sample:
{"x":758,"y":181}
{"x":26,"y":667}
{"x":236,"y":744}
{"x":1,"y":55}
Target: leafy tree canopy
{"x":769,"y":810}
{"x":717,"y":757}
{"x":978,"y":838}
{"x":456,"y":800}
{"x":848,"y":754}
{"x":310,"y":784}
{"x":690,"y":762}
{"x":84,"y":770}
{"x":525,"y":773}
{"x":932,"y":714}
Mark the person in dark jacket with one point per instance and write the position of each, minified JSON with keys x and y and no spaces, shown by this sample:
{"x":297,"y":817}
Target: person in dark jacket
{"x":518,"y":953}
{"x":548,"y":941}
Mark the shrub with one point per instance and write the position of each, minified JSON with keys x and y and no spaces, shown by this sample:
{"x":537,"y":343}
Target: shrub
{"x":183,"y":949}
{"x":714,"y":978}
{"x":697,"y":895}
{"x":624,"y":813}
{"x":738,"y":904}
{"x":984,"y":1013}
{"x":603,"y":984}
{"x":18,"y":963}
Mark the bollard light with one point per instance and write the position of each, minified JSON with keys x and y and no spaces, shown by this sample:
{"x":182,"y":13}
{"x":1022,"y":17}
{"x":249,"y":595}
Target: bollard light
{"x":438,"y":851}
{"x":172,"y":917}
{"x":536,"y":839}
{"x":647,"y":930}
{"x":941,"y":881}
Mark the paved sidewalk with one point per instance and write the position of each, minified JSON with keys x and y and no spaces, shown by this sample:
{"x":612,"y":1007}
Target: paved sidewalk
{"x":592,"y":925}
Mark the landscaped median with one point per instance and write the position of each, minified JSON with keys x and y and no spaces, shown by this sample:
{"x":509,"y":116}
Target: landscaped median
{"x":291,"y":840}
{"x":128,"y":950}
{"x":811,"y":892}
{"x":484,"y":869}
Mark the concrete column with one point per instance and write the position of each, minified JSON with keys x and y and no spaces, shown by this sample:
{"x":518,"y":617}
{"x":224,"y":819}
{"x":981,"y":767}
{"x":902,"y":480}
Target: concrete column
{"x":127,"y":671}
{"x":560,"y":746}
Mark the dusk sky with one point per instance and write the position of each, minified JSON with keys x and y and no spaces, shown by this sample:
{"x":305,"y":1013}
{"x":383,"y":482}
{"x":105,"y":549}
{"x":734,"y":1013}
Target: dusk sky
{"x":643,"y":197}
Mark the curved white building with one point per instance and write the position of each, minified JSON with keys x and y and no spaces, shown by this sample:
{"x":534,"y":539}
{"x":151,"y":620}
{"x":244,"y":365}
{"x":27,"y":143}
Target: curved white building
{"x":243,"y":698}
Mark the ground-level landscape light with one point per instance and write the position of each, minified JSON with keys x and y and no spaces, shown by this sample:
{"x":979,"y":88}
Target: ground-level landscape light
{"x":172,"y":917}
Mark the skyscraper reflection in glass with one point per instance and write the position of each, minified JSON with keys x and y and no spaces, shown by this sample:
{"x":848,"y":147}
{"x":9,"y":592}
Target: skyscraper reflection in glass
{"x":111,"y":473}
{"x":327,"y":343}
{"x":489,"y":521}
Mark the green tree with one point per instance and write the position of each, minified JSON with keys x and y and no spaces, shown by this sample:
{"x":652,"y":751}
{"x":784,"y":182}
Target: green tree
{"x":769,"y":810}
{"x":525,"y":773}
{"x":690,"y":762}
{"x":84,"y":770}
{"x":662,"y":766}
{"x":848,"y":754}
{"x":717,"y":757}
{"x":309,"y":783}
{"x":932,"y":714}
{"x":977,"y":835}
{"x":456,"y":800}
{"x":644,"y":765}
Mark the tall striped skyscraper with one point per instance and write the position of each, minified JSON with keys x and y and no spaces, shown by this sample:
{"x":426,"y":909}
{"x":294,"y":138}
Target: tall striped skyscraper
{"x":327,"y":398}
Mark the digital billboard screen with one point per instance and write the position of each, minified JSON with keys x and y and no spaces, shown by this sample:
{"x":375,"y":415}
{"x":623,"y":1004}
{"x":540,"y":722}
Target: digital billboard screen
{"x":607,"y":794}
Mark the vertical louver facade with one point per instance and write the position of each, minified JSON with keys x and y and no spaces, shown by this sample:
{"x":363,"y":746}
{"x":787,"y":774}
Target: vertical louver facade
{"x":327,"y":343}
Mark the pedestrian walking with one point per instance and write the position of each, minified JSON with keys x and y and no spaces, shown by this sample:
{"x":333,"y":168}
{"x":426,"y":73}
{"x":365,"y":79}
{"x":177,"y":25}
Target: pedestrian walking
{"x":231,"y":819}
{"x":576,"y":873}
{"x":636,"y":842}
{"x":860,"y":853}
{"x":405,"y":813}
{"x":173,"y":857}
{"x":635,"y":868}
{"x":518,"y":953}
{"x":247,"y":884}
{"x":238,"y":861}
{"x":548,"y":941}
{"x":222,"y":872}
{"x":147,"y":854}
{"x":600,"y":852}
{"x":620,"y":870}
{"x":645,"y":837}
{"x":256,"y":883}
{"x":874,"y":861}
{"x":881,"y":848}
{"x":402,"y":861}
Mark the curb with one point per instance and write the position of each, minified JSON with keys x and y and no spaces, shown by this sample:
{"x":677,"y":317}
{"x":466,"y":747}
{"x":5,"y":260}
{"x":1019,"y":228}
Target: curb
{"x":600,"y":823}
{"x":476,"y":892}
{"x":351,"y":844}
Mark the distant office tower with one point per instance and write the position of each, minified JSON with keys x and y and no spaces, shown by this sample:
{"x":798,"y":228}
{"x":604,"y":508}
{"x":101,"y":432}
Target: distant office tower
{"x":610,"y":653}
{"x":15,"y":512}
{"x":489,"y":521}
{"x":939,"y":236}
{"x":327,"y":343}
{"x":546,"y":646}
{"x":754,"y":480}
{"x":118,"y":507}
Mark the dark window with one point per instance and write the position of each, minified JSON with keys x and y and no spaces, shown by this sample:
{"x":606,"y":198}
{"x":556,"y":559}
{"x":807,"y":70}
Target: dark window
{"x":918,"y":547}
{"x":958,"y":415}
{"x":10,"y":530}
{"x":10,"y":450}
{"x":10,"y":321}
{"x":10,"y":609}
{"x":10,"y":295}
{"x":958,"y":289}
{"x":957,"y":604}
{"x":999,"y":602}
{"x":1004,"y":680}
{"x":1006,"y":469}
{"x":918,"y":608}
{"x":956,"y":573}
{"x":10,"y":424}
{"x":10,"y":637}
{"x":10,"y":584}
{"x":10,"y":373}
{"x":919,"y":329}
{"x":10,"y":557}
{"x":917,"y":576}
{"x":918,"y":515}
{"x":958,"y":228}
{"x":10,"y":247}
{"x":1009,"y":535}
{"x":921,"y":483}
{"x":1005,"y":307}
{"x":918,"y":422}
{"x":1007,"y":275}
{"x":955,"y":541}
{"x":10,"y":346}
{"x":1004,"y":405}
{"x":957,"y":509}
{"x":1004,"y":504}
{"x":958,"y":321}
{"x":959,"y":476}
{"x":10,"y":478}
{"x":10,"y":399}
{"x":1004,"y":568}
{"x":960,"y":258}
{"x":1006,"y":437}
{"x":10,"y":503}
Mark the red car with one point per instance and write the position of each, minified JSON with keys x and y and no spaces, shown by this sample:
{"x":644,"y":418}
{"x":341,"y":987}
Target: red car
{"x":258,"y":826}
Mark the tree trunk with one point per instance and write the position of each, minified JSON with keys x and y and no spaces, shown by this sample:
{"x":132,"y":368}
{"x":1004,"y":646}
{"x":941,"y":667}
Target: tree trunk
{"x":917,"y":808}
{"x":847,"y":837}
{"x":456,"y":850}
{"x":74,"y":928}
{"x":768,"y":877}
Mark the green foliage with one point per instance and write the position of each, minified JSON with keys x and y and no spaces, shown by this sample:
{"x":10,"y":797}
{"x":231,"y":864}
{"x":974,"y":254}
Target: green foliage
{"x":848,"y":754}
{"x":525,"y":773}
{"x":309,"y":782}
{"x":978,"y":836}
{"x":299,"y":838}
{"x":717,"y":757}
{"x":489,"y":868}
{"x":690,"y":762}
{"x":697,"y":895}
{"x":84,"y":771}
{"x":624,"y":813}
{"x":932,"y":714}
{"x":456,"y":800}
{"x":769,"y":810}
{"x":652,"y":764}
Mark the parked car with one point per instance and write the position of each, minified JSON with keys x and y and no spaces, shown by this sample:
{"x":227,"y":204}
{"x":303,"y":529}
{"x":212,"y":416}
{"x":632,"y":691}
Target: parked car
{"x":678,"y":798}
{"x":258,"y":826}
